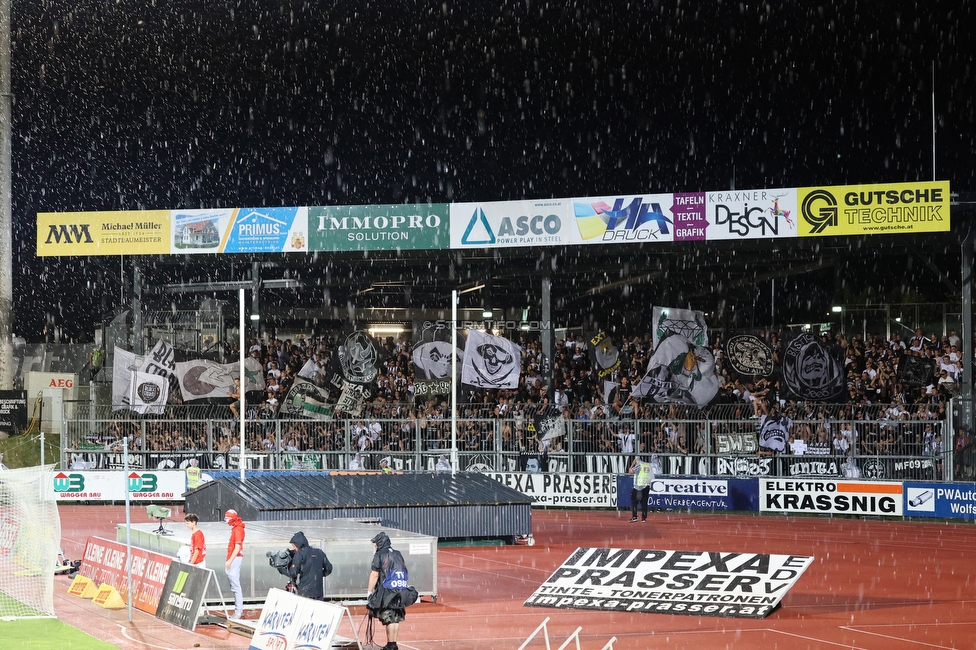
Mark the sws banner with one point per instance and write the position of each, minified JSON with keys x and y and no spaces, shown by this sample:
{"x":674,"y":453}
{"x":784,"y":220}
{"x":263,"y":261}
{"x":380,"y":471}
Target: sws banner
{"x":735,"y":585}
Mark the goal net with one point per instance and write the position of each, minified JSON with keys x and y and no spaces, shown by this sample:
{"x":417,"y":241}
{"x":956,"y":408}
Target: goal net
{"x":30,"y":538}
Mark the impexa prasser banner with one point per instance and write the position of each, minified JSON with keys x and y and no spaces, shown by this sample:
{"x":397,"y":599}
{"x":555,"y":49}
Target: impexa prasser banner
{"x":699,"y":583}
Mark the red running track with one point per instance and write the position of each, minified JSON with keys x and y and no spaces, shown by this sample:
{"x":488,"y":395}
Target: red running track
{"x":874,"y":585}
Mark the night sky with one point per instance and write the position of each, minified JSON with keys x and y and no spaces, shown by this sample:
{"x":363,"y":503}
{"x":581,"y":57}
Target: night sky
{"x":192,"y":104}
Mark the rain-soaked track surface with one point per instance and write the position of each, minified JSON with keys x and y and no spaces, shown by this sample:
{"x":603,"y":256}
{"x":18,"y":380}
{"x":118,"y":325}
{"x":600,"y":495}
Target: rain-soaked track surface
{"x":883,"y":585}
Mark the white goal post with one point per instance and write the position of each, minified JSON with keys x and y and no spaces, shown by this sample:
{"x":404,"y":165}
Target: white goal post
{"x":30,"y":539}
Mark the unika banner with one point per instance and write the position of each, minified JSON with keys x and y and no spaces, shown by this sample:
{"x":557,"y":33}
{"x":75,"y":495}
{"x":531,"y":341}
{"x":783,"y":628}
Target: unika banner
{"x":696,"y":583}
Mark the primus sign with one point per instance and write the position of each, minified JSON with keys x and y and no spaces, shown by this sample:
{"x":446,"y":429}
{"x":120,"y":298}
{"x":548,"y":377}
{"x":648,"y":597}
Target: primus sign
{"x":739,"y":585}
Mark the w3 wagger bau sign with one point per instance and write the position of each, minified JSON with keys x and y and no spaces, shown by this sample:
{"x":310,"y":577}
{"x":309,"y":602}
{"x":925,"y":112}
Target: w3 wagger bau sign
{"x":738,"y":585}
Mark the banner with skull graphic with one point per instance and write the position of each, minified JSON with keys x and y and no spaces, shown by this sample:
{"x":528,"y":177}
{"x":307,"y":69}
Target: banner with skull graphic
{"x":490,"y":361}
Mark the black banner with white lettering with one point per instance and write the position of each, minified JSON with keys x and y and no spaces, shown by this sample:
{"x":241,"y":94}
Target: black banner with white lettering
{"x":13,"y":410}
{"x":734,"y":585}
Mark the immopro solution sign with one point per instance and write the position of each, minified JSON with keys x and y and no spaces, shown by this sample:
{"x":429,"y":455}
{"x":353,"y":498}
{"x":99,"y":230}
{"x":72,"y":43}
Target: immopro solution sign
{"x":830,"y":497}
{"x":738,"y":585}
{"x":379,"y":227}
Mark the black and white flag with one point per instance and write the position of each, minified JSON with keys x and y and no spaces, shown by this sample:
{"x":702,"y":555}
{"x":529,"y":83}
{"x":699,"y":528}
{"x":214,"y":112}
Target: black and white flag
{"x":204,"y":379}
{"x":604,"y":355}
{"x":915,"y":371}
{"x":124,"y":363}
{"x":774,"y":431}
{"x":490,"y":361}
{"x":433,"y":354}
{"x":148,"y":393}
{"x":684,"y":322}
{"x":357,"y":359}
{"x":749,"y":355}
{"x":812,"y":370}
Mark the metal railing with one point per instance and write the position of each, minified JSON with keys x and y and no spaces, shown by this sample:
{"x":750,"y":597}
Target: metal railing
{"x":886,"y":448}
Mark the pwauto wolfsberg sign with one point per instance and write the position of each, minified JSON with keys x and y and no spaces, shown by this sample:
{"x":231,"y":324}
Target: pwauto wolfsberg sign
{"x":379,"y":227}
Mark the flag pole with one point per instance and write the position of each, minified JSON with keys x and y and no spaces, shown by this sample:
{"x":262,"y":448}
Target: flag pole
{"x":454,"y":382}
{"x":240,"y":359}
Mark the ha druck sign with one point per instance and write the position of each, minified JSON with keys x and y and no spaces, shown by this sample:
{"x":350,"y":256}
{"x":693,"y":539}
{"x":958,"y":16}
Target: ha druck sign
{"x":736,"y":585}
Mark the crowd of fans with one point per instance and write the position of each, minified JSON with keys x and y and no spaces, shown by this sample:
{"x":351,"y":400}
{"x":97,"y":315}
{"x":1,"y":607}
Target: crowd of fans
{"x":880,"y":415}
{"x":871,"y":364}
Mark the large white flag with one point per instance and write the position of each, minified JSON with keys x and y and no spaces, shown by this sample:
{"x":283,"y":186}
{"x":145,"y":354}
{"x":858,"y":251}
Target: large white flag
{"x":490,"y":361}
{"x":205,"y":379}
{"x":148,"y":393}
{"x":161,"y":360}
{"x":686,"y":322}
{"x":123,"y":363}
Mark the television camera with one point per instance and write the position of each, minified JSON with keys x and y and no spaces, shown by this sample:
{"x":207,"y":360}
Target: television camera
{"x":280,"y":560}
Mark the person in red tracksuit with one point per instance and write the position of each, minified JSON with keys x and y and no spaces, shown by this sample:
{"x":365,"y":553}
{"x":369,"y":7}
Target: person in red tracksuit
{"x":235,"y":558}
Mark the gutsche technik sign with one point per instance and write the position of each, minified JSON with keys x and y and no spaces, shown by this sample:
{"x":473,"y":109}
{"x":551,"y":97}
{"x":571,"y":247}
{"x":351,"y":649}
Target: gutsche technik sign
{"x":697,"y":583}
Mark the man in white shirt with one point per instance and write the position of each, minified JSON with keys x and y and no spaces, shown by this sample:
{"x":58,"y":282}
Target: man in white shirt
{"x":626,"y":440}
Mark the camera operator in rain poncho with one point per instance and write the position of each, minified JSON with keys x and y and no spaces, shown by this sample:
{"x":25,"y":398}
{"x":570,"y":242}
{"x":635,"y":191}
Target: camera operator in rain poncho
{"x":307,"y":568}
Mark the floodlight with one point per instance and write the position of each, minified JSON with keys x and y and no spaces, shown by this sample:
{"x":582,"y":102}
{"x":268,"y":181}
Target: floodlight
{"x":836,"y":309}
{"x":160,"y":513}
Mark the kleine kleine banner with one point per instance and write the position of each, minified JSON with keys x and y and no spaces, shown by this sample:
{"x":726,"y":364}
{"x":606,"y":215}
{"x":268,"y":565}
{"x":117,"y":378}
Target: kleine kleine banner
{"x":105,"y":563}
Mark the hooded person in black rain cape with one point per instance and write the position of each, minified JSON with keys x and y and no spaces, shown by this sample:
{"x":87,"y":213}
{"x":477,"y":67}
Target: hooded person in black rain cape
{"x":307,"y":568}
{"x":389,"y":591}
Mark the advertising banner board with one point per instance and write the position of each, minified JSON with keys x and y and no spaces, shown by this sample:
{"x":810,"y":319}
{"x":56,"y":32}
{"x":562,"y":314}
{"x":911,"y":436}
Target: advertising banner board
{"x":110,"y":486}
{"x":13,"y":410}
{"x":563,"y":490}
{"x":105,"y":563}
{"x":183,"y":594}
{"x":830,"y":497}
{"x":735,"y":585}
{"x":942,"y":500}
{"x":290,"y":621}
